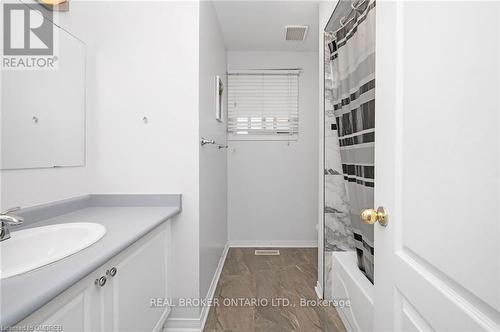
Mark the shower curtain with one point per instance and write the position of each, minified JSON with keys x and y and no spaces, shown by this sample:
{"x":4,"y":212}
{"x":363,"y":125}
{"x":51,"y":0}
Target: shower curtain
{"x":352,"y":59}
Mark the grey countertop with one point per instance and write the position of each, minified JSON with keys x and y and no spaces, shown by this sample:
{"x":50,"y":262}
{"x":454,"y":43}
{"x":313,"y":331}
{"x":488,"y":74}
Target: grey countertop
{"x":126,"y":221}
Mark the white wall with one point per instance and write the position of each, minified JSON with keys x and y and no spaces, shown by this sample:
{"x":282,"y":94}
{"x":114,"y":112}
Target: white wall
{"x":213,"y":162}
{"x":37,"y":186}
{"x":273,"y":185}
{"x":145,"y":61}
{"x":326,"y":9}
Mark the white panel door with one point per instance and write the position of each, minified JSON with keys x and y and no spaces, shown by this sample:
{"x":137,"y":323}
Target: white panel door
{"x":437,"y":263}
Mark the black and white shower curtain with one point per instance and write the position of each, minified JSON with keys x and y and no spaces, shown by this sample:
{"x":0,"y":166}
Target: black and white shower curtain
{"x":352,"y":56}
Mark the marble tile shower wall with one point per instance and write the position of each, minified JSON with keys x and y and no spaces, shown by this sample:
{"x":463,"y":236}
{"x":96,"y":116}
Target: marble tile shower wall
{"x":337,"y":228}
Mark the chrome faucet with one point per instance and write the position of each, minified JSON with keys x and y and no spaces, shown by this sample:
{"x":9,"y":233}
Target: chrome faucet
{"x":7,"y":219}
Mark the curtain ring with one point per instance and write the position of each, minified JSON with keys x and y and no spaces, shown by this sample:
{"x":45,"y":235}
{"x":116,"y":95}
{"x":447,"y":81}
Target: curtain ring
{"x":360,"y":3}
{"x":342,"y":24}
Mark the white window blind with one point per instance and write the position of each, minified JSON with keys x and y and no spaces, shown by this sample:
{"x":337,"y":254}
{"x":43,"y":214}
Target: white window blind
{"x":263,"y":105}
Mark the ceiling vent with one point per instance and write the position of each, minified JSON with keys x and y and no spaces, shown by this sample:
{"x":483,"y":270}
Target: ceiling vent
{"x":296,"y":32}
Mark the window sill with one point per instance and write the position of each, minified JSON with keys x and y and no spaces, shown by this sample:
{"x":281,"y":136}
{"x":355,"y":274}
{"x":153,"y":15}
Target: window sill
{"x":262,"y":138}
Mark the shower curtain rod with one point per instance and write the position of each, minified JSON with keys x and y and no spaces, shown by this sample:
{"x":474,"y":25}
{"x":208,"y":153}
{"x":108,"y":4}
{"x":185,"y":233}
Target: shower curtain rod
{"x":354,"y":7}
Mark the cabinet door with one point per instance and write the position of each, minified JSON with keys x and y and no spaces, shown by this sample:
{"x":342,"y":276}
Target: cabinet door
{"x":77,"y":309}
{"x":141,"y":278}
{"x":72,"y":316}
{"x":123,"y":303}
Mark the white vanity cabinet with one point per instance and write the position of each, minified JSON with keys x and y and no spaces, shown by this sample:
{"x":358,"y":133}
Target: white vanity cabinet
{"x":140,"y":279}
{"x":116,"y":297}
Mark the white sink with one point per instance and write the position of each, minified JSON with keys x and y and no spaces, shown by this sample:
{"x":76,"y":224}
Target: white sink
{"x":32,"y":248}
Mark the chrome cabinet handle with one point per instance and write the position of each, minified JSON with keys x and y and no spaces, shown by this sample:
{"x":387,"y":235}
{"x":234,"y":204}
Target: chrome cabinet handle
{"x":111,"y":272}
{"x":100,"y":281}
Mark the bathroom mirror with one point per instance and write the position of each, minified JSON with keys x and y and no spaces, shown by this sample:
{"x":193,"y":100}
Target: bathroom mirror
{"x":43,"y":111}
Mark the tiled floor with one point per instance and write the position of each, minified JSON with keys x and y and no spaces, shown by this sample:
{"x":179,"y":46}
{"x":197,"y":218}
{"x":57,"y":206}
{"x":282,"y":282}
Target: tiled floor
{"x":270,"y":281}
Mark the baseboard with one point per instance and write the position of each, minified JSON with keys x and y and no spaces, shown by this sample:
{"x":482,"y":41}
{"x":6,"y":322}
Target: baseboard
{"x":273,"y":244}
{"x":197,"y":324}
{"x":159,"y":326}
{"x":345,"y":320}
{"x":213,"y":286}
{"x":182,"y":325}
{"x":319,"y":290}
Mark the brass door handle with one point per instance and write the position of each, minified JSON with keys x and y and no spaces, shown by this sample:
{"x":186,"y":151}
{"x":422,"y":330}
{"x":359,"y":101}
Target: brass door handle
{"x":370,"y":216}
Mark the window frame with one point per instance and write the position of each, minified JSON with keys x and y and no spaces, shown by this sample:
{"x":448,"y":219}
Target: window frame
{"x":294,"y":136}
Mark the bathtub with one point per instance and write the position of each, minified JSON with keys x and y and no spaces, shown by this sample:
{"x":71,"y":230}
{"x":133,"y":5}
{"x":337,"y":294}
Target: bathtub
{"x":348,"y":282}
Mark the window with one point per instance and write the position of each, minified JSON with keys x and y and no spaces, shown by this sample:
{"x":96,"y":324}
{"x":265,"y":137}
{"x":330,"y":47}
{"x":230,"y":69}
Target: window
{"x":263,"y":105}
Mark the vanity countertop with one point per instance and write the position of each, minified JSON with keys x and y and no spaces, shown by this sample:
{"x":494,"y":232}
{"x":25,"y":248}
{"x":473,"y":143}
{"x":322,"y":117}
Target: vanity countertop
{"x":126,"y":217}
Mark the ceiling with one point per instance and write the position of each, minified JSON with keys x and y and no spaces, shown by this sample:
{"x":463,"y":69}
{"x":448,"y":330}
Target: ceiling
{"x":260,"y":25}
